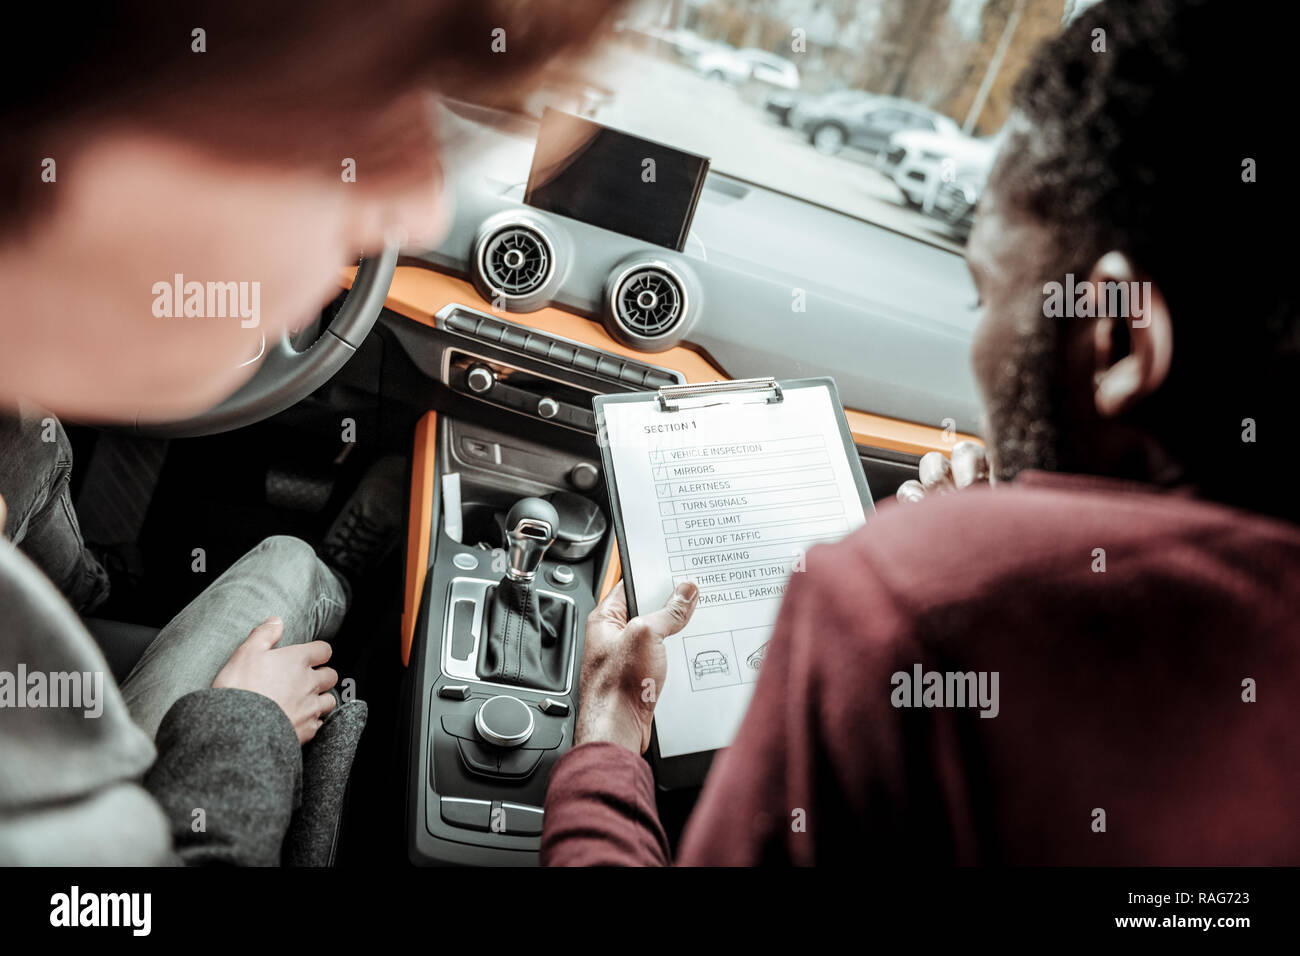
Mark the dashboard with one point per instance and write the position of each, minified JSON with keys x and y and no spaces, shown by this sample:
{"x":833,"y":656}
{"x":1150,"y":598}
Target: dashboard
{"x":539,"y":309}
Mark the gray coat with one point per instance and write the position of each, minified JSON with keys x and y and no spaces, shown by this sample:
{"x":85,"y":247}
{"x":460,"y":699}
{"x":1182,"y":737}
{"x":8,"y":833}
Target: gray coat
{"x":226,"y":783}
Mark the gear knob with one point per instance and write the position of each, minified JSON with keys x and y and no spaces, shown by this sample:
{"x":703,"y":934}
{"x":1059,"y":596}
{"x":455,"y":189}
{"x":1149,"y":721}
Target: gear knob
{"x":530,"y":530}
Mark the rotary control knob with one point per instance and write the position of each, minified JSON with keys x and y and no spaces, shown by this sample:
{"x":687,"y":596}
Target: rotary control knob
{"x":480,"y":379}
{"x":548,"y":408}
{"x":504,"y":721}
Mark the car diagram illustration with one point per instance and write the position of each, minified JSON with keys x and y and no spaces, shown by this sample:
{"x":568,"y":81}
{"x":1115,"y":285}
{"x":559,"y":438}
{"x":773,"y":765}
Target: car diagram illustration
{"x":710,"y":662}
{"x":755,"y":660}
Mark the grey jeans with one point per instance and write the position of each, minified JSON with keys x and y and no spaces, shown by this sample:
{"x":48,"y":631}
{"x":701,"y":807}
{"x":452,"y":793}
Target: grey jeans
{"x":281,"y":577}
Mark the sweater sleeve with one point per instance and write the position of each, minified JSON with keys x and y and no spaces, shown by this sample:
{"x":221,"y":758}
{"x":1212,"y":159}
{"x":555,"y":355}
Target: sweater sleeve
{"x":228,"y":777}
{"x":600,"y":810}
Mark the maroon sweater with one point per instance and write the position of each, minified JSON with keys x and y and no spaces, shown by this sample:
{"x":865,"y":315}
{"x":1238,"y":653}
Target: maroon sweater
{"x":1119,"y":691}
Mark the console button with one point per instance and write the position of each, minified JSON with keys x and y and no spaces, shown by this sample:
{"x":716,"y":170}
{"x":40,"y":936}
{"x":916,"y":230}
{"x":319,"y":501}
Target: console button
{"x":633,"y":374}
{"x":476,"y":448}
{"x":461,"y":323}
{"x":556,"y":708}
{"x":504,"y":721}
{"x":538,"y":345}
{"x":521,"y":820}
{"x":548,"y":407}
{"x":514,"y":338}
{"x":584,"y":476}
{"x":454,"y":691}
{"x":585,"y":360}
{"x":519,"y":763}
{"x":460,"y":724}
{"x":490,"y":331}
{"x":480,"y":379}
{"x":478,"y":757}
{"x":467,"y":814}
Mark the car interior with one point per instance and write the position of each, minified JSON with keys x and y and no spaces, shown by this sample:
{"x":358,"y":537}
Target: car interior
{"x":479,"y":359}
{"x":477,"y":362}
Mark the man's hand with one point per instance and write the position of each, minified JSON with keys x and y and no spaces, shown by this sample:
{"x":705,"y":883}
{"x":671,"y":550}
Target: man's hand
{"x":969,"y":466}
{"x":624,"y":666}
{"x":291,"y":676}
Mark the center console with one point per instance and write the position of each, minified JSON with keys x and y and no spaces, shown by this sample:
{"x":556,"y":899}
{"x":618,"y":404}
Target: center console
{"x":508,"y":583}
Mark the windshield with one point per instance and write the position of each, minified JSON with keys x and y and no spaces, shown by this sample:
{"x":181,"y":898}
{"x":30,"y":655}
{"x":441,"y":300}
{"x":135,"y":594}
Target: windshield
{"x":886,"y":110}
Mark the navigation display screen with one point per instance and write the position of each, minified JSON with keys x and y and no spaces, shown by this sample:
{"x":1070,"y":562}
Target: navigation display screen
{"x":611,"y":179}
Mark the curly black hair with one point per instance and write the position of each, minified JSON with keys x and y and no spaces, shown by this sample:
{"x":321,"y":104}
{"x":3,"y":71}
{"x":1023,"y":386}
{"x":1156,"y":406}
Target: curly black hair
{"x":1163,"y":129}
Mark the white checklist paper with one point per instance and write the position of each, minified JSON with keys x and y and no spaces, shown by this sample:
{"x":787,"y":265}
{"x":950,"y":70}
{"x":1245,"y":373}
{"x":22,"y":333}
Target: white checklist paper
{"x":731,"y":495}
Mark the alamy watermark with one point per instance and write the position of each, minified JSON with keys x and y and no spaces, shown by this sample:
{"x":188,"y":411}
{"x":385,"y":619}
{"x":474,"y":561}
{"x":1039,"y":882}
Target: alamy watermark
{"x":922,"y":688}
{"x":208,"y":300}
{"x":73,"y":690}
{"x":1097,"y":300}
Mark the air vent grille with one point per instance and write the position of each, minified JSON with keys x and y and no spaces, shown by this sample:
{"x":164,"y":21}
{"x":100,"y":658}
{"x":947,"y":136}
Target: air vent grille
{"x":649,"y":301}
{"x":517,"y":261}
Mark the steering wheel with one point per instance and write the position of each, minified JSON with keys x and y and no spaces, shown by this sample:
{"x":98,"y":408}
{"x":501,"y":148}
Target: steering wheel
{"x":287,"y":375}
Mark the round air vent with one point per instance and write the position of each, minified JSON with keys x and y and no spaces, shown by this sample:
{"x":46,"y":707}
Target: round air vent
{"x":648,"y":300}
{"x":516,"y":261}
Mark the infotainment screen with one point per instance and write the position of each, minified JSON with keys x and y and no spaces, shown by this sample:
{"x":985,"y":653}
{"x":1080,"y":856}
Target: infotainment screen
{"x":614,"y":180}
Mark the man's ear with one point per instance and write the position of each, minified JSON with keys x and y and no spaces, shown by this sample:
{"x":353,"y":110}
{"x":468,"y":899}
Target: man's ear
{"x":1133,"y":337}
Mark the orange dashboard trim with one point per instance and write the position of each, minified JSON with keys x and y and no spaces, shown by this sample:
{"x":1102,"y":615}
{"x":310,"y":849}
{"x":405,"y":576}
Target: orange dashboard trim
{"x":419,"y":294}
{"x":613,"y":570}
{"x":419,"y":526}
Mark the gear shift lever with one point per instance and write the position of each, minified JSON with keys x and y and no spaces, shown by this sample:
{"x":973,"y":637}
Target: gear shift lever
{"x":527,"y":636}
{"x":530,"y":530}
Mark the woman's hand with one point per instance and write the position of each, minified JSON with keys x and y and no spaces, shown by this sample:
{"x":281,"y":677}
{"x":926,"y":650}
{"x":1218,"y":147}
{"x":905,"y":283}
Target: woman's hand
{"x":624,"y":666}
{"x":969,"y":466}
{"x":291,"y":676}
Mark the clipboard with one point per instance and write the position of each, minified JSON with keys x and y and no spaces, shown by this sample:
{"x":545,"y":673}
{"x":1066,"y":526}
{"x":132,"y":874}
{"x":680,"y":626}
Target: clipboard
{"x":685,"y":770}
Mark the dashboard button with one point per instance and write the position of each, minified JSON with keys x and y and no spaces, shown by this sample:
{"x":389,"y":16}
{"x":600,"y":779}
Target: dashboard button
{"x":609,"y":367}
{"x":514,"y":338}
{"x":490,"y":331}
{"x":480,"y":379}
{"x":633,"y":374}
{"x":548,"y":407}
{"x":461,"y":323}
{"x":584,"y":475}
{"x":585,"y":360}
{"x":538,"y":345}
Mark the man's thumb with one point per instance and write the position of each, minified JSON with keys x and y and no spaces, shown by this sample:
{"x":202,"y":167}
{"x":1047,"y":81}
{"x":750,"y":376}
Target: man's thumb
{"x":674,"y":615}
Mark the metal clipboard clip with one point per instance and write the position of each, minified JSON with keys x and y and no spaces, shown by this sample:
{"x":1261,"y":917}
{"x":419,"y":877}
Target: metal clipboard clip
{"x":673,"y":398}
